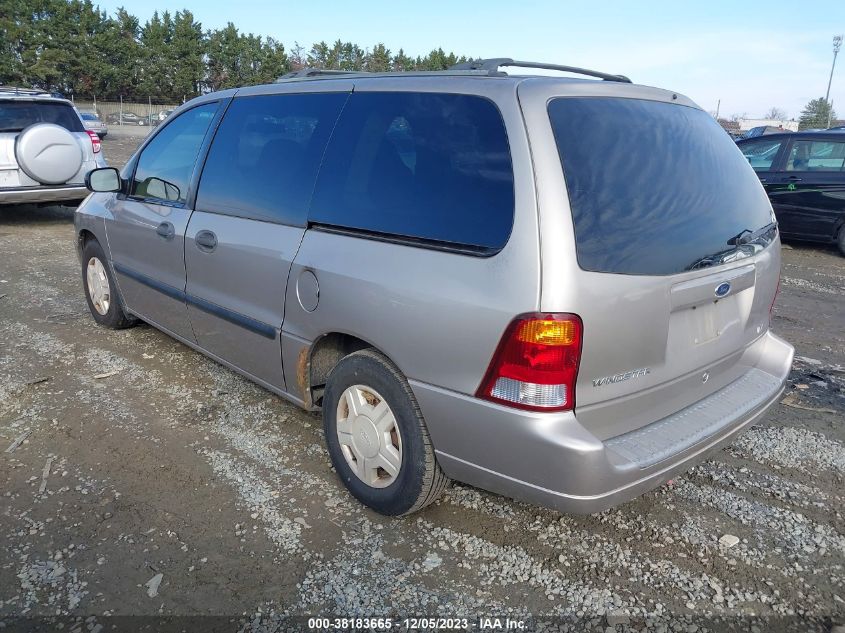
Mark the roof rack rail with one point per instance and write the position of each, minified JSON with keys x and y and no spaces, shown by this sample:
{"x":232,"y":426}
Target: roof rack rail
{"x":317,"y":72}
{"x":492,"y":67}
{"x":23,"y":91}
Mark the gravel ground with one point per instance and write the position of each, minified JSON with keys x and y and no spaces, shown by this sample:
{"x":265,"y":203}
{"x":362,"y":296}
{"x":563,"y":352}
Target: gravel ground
{"x":144,"y":479}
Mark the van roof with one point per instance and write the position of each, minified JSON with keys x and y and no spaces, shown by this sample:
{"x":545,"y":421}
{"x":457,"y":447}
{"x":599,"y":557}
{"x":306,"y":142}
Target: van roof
{"x":592,"y":83}
{"x":478,"y":68}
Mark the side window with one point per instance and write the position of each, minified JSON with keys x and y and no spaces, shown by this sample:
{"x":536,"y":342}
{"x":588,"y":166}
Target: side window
{"x":761,"y":154}
{"x":264,"y":158}
{"x":166,"y":164}
{"x":816,"y":156}
{"x":420,"y":165}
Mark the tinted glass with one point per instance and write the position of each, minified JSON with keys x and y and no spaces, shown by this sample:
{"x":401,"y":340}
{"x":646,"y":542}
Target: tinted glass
{"x":816,"y":156}
{"x":265,"y":155}
{"x":15,"y":116}
{"x":87,"y":116}
{"x":166,"y":164}
{"x":655,"y":188}
{"x":419,"y":165}
{"x":761,"y":154}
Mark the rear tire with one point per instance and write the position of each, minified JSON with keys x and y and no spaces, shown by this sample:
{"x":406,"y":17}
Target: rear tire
{"x":385,"y":427}
{"x":101,"y":293}
{"x":841,"y":241}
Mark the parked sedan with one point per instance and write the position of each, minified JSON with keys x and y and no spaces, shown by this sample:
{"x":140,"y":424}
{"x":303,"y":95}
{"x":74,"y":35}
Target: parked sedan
{"x":804,"y":175}
{"x":92,"y":122}
{"x":126,"y":118}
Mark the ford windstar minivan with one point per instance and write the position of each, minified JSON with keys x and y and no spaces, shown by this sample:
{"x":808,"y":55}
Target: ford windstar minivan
{"x":557,"y":289}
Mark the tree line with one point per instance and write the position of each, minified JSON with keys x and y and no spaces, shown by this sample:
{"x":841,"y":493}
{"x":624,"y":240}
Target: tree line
{"x":72,"y":47}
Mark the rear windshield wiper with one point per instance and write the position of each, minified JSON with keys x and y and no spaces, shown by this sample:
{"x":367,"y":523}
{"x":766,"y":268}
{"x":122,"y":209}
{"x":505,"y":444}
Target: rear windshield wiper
{"x":743,"y":238}
{"x":747,"y":235}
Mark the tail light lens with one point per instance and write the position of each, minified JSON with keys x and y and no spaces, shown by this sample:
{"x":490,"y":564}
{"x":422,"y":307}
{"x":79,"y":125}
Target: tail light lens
{"x":536,"y":364}
{"x":95,"y":141}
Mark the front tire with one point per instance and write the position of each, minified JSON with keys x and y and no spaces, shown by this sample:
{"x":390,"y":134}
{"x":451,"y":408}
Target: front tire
{"x":101,"y":291}
{"x":841,"y":241}
{"x":377,"y":438}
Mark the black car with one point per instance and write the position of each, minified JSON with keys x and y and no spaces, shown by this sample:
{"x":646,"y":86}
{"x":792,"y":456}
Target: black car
{"x":804,"y":175}
{"x":126,"y":118}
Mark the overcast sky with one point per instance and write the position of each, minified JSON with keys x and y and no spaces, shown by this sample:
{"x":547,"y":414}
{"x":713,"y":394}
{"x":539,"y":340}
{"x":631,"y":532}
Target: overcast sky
{"x":751,"y":55}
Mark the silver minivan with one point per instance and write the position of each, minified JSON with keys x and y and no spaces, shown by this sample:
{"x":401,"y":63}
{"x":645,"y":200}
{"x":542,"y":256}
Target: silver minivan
{"x":558,"y":289}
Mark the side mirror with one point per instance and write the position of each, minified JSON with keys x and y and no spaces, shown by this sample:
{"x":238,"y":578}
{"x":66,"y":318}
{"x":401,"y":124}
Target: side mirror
{"x":104,"y":179}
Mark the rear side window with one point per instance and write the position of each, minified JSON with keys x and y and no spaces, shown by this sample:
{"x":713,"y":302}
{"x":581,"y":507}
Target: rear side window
{"x":655,"y":188}
{"x":816,"y":156}
{"x":265,"y":155}
{"x":15,"y":116}
{"x":761,"y":154}
{"x":425,"y":166}
{"x":167,"y":162}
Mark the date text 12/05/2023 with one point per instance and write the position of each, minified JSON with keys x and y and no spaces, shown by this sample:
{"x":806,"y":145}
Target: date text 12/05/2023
{"x":423,"y":623}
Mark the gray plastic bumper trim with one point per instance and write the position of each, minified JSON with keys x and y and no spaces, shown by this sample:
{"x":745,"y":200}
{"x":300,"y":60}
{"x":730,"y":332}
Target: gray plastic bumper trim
{"x":672,"y":435}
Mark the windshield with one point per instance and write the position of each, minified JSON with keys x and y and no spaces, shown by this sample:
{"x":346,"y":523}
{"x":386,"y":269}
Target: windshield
{"x":16,"y":115}
{"x":87,"y":116}
{"x":656,"y":188}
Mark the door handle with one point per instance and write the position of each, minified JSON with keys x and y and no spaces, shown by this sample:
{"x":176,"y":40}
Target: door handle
{"x":166,"y":230}
{"x":794,"y":179}
{"x":206,"y":241}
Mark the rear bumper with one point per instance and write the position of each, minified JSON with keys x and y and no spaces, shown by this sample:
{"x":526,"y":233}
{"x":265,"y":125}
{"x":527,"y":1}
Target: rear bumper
{"x":554,"y":461}
{"x":31,"y":195}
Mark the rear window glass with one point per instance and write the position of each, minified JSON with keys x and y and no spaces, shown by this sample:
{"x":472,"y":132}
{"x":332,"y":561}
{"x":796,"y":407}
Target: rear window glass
{"x":16,"y":115}
{"x":265,"y":155}
{"x":424,"y":166}
{"x":655,"y":188}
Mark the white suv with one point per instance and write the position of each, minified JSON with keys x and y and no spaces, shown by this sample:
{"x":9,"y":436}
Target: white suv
{"x":45,"y":150}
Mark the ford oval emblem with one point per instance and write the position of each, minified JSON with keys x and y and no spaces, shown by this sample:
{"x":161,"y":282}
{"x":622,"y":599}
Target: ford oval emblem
{"x":723,"y":289}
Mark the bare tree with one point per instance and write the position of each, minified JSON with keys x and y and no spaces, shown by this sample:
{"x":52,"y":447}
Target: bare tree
{"x":775,"y":114}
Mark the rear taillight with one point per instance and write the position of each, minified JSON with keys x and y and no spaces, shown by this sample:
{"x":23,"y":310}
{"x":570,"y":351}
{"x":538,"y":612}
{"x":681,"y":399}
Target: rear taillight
{"x":536,"y":364}
{"x":95,"y":141}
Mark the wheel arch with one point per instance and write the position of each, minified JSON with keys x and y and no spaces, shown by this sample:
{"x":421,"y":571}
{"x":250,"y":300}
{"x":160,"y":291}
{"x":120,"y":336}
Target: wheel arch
{"x":321,"y":357}
{"x":84,"y":236}
{"x":839,"y":230}
{"x":90,"y":224}
{"x":839,"y":235}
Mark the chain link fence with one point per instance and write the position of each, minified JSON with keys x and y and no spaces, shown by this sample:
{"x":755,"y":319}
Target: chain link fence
{"x":127,"y":113}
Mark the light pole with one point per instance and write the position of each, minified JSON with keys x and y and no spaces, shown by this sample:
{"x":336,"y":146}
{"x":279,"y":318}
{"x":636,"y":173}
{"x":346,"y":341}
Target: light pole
{"x":837,"y":44}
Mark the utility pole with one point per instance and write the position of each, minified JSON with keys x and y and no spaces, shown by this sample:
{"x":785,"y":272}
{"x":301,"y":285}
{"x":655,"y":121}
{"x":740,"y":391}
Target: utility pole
{"x":837,"y":44}
{"x":718,"y":105}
